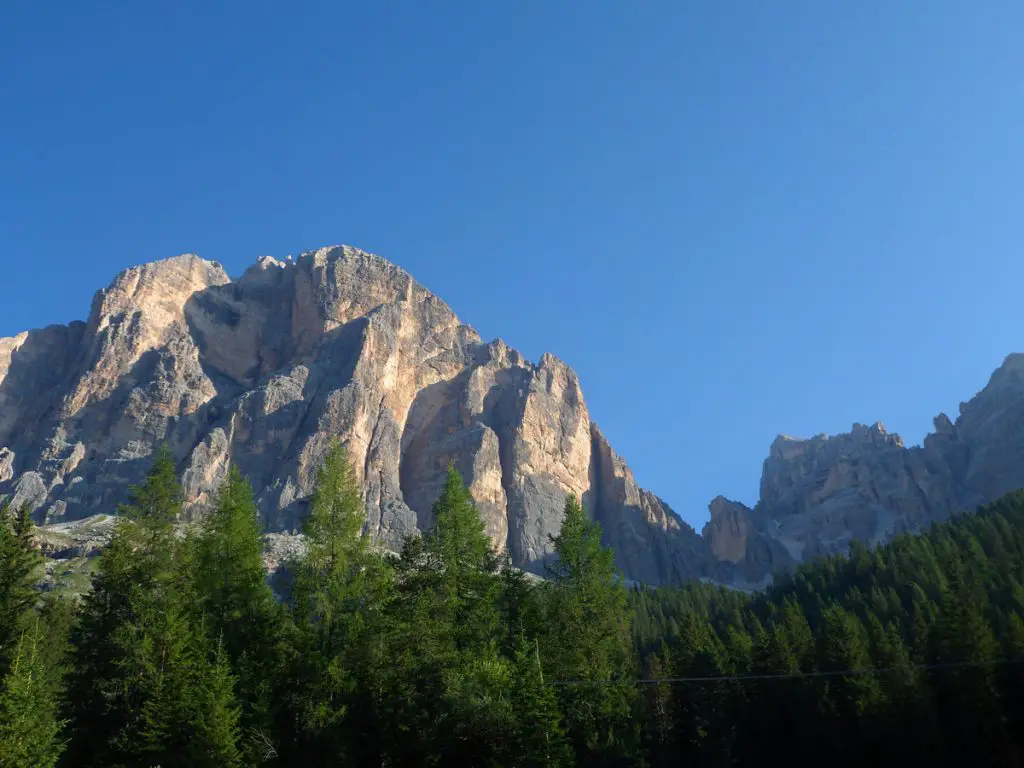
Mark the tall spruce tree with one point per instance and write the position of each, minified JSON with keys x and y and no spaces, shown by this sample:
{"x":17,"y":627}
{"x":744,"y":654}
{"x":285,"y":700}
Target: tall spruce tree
{"x":340,"y":592}
{"x":230,"y":575}
{"x":704,"y":713}
{"x":778,"y":708}
{"x":187,"y":714}
{"x":539,"y":738}
{"x":587,"y":643}
{"x":217,"y":718}
{"x":238,"y":607}
{"x":448,"y":632}
{"x":95,"y":704}
{"x":969,"y":709}
{"x":850,"y":703}
{"x":20,"y":564}
{"x":464,"y":564}
{"x":30,"y":731}
{"x":142,"y":662}
{"x":906,"y":726}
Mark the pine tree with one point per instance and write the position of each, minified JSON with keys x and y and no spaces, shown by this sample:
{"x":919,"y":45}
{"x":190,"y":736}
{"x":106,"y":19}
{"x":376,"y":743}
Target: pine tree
{"x":521,"y":614}
{"x":216,"y":722}
{"x":477,"y":700}
{"x":95,"y":704}
{"x":156,"y":503}
{"x":230,"y":574}
{"x":142,"y":659}
{"x":419,"y":641}
{"x":29,"y":727}
{"x":539,"y":731}
{"x":588,"y":641}
{"x":920,"y":625}
{"x":139,"y":561}
{"x":850,"y":703}
{"x":19,"y":569}
{"x":969,"y":710}
{"x":57,"y":614}
{"x":238,"y":607}
{"x":704,"y":716}
{"x":798,"y":630}
{"x":464,"y":563}
{"x":340,"y":593}
{"x":906,"y":724}
{"x":659,"y":710}
{"x":160,"y":657}
{"x":1012,"y":679}
{"x":449,"y":638}
{"x":187,"y":714}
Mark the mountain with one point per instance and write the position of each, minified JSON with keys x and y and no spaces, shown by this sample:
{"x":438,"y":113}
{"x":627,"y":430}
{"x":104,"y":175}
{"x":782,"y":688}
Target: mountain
{"x":265,"y":371}
{"x":818,"y":495}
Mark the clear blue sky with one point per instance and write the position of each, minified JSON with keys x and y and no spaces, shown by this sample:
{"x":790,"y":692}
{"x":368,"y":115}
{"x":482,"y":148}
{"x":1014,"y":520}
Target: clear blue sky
{"x":734,"y":219}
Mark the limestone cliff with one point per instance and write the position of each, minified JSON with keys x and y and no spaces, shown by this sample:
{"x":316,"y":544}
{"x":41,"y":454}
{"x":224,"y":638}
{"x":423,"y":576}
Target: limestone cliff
{"x":267,"y":370}
{"x":819,"y":494}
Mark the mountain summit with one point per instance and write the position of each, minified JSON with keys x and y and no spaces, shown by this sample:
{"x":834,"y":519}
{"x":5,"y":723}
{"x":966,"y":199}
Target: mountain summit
{"x":265,"y":371}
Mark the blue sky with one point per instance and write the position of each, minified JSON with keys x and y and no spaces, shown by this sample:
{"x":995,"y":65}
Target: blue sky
{"x":734,"y":219}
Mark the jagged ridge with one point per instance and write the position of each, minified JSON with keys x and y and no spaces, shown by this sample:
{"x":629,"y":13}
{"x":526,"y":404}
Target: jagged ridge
{"x":819,"y":494}
{"x":267,"y":370}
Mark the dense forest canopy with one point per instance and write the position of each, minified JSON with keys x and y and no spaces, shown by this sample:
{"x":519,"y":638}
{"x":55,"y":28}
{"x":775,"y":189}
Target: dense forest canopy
{"x":445,"y":655}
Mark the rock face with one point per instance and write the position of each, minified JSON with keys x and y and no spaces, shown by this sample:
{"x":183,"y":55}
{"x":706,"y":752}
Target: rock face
{"x":819,"y":494}
{"x":268,"y":370}
{"x":728,"y":531}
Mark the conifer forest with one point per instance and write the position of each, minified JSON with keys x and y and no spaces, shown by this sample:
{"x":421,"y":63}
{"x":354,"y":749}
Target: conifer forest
{"x":182,"y":653}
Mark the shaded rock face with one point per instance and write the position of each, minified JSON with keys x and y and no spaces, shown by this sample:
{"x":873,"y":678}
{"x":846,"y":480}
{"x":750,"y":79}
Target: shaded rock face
{"x":652,"y":544}
{"x":820,"y":494}
{"x":266,"y":371}
{"x":743,"y":544}
{"x":728,"y":530}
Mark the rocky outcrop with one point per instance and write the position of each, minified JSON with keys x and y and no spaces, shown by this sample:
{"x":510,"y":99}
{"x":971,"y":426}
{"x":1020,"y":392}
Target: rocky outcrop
{"x":728,"y":530}
{"x":266,"y":371}
{"x":824,"y":492}
{"x":652,"y":544}
{"x":820,"y":494}
{"x":744,"y":544}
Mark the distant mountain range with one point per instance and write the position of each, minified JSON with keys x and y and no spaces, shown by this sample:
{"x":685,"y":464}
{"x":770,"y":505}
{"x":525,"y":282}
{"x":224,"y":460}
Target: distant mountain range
{"x":265,"y":371}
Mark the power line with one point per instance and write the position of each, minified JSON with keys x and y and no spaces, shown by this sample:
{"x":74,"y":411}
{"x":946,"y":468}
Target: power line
{"x":794,"y":675}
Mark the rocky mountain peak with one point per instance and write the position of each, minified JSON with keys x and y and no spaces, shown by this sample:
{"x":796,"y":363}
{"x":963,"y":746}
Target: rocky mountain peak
{"x":266,"y":371}
{"x":264,"y":265}
{"x":821,"y":493}
{"x":158,"y":289}
{"x":728,"y":529}
{"x":943,"y":426}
